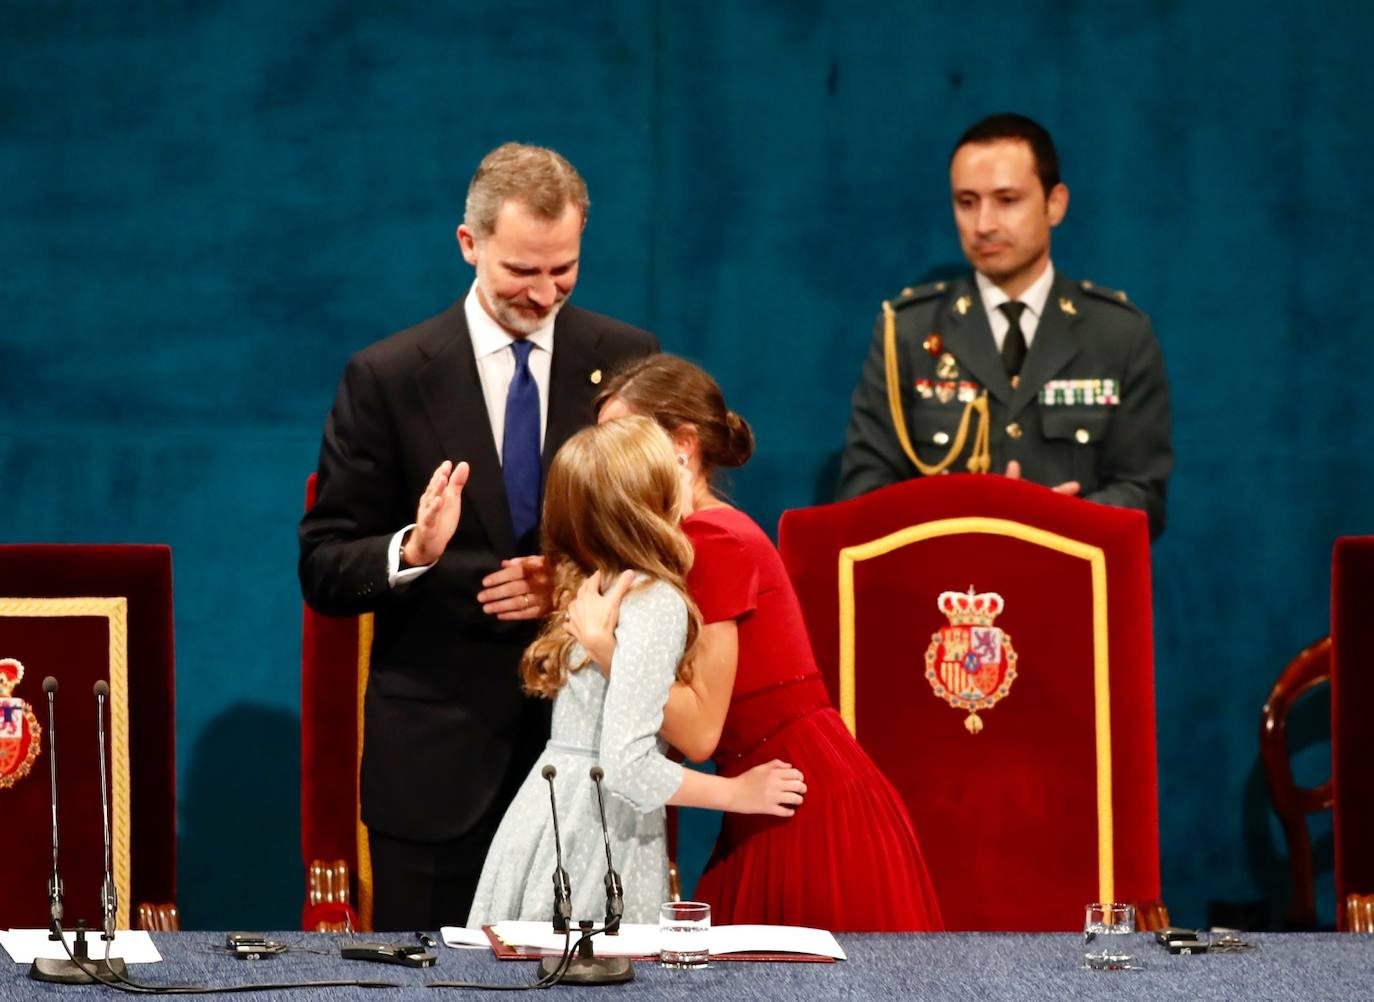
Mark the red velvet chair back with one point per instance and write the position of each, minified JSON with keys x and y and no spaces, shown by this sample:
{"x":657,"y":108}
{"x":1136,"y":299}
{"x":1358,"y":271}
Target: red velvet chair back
{"x":84,"y":614}
{"x":1352,"y":703}
{"x":334,"y":663}
{"x":1040,"y":795}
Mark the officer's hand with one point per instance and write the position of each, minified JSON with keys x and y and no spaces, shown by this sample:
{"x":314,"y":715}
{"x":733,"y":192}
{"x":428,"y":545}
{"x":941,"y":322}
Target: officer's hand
{"x":521,"y":589}
{"x":1069,"y":488}
{"x":436,"y":518}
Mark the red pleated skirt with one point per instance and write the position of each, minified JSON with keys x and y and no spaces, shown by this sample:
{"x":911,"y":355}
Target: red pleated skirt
{"x":847,"y":861}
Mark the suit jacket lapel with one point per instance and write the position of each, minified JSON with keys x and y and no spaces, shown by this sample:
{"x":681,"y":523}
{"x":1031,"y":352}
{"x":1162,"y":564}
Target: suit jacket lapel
{"x":969,"y":338}
{"x":570,"y":385}
{"x":452,"y":395}
{"x":1057,"y":339}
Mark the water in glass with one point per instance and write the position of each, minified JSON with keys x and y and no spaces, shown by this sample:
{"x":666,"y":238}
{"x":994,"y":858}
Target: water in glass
{"x":1106,"y":931}
{"x":684,"y":929}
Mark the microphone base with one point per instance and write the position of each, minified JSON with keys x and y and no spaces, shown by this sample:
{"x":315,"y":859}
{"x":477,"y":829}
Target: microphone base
{"x":589,"y":970}
{"x":67,"y":972}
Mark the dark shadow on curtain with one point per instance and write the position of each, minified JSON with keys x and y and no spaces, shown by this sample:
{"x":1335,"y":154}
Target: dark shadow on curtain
{"x":240,"y":826}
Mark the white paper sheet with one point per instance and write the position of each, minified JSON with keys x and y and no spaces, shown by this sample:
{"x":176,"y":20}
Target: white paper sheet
{"x":642,"y":940}
{"x":464,"y":939}
{"x":134,"y":945}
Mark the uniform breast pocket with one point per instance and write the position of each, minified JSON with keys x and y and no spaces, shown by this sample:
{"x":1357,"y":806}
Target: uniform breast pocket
{"x":1083,"y":425}
{"x":1075,"y":433}
{"x":933,"y":430}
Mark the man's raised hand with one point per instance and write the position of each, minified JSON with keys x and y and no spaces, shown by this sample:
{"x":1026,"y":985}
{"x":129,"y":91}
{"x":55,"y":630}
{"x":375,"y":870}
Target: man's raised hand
{"x":436,"y":517}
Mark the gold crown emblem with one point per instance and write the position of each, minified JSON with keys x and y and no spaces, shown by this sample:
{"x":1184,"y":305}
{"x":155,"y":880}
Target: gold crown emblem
{"x":11,"y":674}
{"x":968,"y":608}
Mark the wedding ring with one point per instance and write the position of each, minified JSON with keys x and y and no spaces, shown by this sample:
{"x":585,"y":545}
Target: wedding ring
{"x":527,"y":601}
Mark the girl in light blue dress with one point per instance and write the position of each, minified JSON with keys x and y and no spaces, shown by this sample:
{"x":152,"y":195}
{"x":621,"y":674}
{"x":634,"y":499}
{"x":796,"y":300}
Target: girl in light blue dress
{"x":612,"y":503}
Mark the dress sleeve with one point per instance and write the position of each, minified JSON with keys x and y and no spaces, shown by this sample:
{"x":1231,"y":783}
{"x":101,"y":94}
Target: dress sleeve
{"x":724,"y":580}
{"x":649,"y":639}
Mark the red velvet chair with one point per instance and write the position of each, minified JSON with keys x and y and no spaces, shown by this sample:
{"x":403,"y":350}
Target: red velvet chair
{"x":1019,"y":728}
{"x":1352,"y":701}
{"x":84,"y":614}
{"x":334,"y":665}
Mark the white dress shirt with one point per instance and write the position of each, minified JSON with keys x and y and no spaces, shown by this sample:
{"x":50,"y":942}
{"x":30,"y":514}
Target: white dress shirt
{"x":1034,"y":298}
{"x":491,"y":348}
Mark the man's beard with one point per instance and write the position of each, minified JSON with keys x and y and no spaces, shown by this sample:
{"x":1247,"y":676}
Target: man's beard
{"x":506,"y":314}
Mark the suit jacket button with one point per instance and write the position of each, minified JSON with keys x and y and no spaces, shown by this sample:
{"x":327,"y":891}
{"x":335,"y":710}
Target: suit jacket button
{"x":1013,"y":430}
{"x":941,"y":438}
{"x":1081,"y":436}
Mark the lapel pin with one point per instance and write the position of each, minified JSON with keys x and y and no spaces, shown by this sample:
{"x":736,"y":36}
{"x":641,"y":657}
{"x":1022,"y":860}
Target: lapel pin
{"x":1066,"y":304}
{"x":595,"y":376}
{"x":933,"y":344}
{"x":962,"y":305}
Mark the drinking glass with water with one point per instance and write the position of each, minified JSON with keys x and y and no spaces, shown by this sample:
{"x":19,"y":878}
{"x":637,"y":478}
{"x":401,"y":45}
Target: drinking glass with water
{"x":1106,"y":928}
{"x":684,"y":932}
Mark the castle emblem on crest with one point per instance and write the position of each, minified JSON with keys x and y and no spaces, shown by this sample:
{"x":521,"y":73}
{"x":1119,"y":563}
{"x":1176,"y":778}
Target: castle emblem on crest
{"x":19,"y":730}
{"x":970,"y":663}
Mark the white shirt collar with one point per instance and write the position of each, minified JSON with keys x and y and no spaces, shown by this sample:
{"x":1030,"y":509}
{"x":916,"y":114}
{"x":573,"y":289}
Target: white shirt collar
{"x":1034,"y":297}
{"x":489,"y":337}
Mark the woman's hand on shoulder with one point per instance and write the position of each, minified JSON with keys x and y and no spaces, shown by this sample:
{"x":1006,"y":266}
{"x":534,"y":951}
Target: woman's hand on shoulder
{"x":772,"y":788}
{"x":591,"y":617}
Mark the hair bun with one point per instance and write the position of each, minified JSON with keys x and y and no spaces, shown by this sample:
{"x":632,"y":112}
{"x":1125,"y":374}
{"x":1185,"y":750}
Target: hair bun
{"x":740,"y":444}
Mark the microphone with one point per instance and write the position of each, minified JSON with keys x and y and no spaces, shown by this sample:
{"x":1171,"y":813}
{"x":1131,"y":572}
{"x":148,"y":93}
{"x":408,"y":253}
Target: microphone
{"x":562,"y":888}
{"x":78,"y":967}
{"x":615,"y":891}
{"x":55,"y":881}
{"x":109,"y":901}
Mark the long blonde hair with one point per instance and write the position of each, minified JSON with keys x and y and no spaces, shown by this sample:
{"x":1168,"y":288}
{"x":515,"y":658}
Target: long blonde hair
{"x":610,"y":504}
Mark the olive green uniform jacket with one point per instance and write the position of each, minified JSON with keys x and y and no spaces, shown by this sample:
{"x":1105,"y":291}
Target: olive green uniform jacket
{"x":1092,"y":404}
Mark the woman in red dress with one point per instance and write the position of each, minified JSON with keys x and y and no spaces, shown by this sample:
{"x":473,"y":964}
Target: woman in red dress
{"x":848,"y":859}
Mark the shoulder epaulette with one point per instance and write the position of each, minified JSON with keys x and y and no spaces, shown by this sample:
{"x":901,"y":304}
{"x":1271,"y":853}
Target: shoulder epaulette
{"x":1110,"y":295}
{"x":918,"y":293}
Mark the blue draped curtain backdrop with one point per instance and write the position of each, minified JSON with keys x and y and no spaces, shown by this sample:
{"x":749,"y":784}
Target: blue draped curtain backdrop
{"x":206,"y":207}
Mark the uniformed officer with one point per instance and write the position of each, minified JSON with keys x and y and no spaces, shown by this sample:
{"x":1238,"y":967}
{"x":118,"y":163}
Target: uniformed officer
{"x":1013,"y":368}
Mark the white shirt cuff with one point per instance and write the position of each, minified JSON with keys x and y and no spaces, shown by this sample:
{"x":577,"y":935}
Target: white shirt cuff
{"x":394,"y":575}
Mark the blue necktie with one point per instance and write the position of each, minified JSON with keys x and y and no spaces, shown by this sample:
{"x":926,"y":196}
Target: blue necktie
{"x":520,"y":445}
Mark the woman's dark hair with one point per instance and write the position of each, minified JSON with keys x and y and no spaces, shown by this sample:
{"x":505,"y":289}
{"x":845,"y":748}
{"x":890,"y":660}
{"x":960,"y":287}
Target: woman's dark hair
{"x":674,"y":392}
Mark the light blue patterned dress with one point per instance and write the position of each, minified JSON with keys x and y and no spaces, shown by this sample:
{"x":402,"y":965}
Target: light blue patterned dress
{"x":615,"y":725}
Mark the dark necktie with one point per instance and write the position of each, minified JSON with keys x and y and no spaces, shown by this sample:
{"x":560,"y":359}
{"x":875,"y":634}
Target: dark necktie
{"x":520,"y":444}
{"x":1014,"y":345}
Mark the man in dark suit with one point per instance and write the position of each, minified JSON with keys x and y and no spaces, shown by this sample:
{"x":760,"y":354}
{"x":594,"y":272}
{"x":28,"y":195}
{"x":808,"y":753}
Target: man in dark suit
{"x":448,"y":426}
{"x":1058,"y":381}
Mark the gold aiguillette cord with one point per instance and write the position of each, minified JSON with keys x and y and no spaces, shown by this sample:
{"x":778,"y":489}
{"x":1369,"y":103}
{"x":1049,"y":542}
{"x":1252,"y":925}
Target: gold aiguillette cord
{"x":980,"y":458}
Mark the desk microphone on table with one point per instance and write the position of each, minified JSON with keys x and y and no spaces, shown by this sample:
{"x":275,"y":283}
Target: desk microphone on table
{"x":109,"y":899}
{"x":615,"y":890}
{"x":562,"y":887}
{"x":78,"y":967}
{"x":55,"y":881}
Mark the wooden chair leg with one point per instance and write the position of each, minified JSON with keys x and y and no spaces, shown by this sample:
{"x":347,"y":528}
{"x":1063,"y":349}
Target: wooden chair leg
{"x":327,"y":906}
{"x":161,"y":917}
{"x":1151,"y":916}
{"x":1359,"y":913}
{"x":674,"y":881}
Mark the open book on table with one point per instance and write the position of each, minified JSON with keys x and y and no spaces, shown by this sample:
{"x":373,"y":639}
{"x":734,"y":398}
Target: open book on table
{"x":526,"y":940}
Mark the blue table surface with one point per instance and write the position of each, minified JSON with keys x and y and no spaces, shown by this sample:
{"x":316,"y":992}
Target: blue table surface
{"x":980,"y":967}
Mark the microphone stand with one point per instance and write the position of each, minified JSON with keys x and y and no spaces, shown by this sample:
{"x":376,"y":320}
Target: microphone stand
{"x":586,"y":968}
{"x":562,"y":887}
{"x":80,"y":968}
{"x":615,"y":890}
